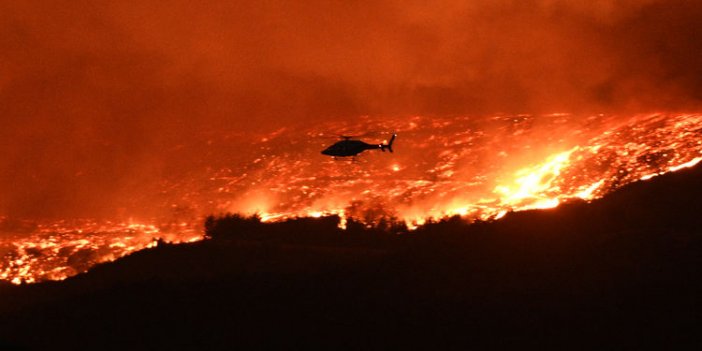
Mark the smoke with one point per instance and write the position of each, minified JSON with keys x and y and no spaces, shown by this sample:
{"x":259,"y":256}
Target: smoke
{"x":93,"y":95}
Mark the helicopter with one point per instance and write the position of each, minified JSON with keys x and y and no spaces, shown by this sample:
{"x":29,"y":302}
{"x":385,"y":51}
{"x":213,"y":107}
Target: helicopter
{"x":353,"y":147}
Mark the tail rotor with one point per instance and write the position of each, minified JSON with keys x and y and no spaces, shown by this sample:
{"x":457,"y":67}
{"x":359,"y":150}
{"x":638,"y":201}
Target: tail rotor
{"x":388,"y":146}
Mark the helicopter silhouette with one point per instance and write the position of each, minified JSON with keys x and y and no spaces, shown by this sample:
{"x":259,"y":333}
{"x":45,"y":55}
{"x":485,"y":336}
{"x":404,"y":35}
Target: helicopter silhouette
{"x":353,"y":147}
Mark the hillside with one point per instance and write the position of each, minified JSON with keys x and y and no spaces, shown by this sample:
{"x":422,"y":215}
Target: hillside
{"x":620,"y":272}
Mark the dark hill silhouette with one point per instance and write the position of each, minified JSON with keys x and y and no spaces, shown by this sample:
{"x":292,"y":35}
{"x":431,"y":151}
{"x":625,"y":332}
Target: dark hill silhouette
{"x":618,"y":273}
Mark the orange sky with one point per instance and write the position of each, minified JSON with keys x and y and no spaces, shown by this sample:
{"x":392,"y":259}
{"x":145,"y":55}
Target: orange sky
{"x":103,"y":85}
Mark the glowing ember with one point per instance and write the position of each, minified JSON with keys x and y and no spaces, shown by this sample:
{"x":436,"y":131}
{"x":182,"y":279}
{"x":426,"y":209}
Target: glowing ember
{"x":475,"y":168}
{"x":59,"y":250}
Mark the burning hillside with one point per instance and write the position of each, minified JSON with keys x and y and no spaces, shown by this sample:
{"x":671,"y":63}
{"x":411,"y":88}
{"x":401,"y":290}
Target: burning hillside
{"x":476,"y":168}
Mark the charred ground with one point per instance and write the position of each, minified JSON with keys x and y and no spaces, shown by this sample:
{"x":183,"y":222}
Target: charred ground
{"x":621,"y":272}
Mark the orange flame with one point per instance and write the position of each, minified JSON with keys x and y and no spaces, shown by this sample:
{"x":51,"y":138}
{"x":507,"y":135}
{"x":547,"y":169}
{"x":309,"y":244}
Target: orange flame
{"x":441,"y":167}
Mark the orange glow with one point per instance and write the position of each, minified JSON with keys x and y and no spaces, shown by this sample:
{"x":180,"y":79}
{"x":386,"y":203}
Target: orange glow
{"x":127,"y":121}
{"x":59,"y":250}
{"x":474,"y":168}
{"x":535,"y":184}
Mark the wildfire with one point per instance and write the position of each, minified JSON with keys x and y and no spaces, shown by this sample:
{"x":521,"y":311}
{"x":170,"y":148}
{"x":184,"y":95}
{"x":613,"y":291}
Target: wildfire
{"x":475,"y":168}
{"x":534,"y":185}
{"x":59,"y":250}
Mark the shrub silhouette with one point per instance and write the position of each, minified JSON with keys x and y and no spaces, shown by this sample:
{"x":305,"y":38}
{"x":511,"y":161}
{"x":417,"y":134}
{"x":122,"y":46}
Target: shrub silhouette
{"x":232,"y":225}
{"x":622,"y":272}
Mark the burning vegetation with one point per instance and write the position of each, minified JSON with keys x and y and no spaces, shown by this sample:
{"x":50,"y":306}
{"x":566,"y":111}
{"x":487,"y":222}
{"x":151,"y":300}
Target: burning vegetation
{"x":622,"y":270}
{"x":474,"y":168}
{"x":127,"y":126}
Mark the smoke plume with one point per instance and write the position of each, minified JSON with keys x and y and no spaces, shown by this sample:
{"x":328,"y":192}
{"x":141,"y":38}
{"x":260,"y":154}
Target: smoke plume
{"x":95,"y":95}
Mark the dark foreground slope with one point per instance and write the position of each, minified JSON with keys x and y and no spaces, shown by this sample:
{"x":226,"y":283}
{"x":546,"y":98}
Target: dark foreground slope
{"x":620,"y":273}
